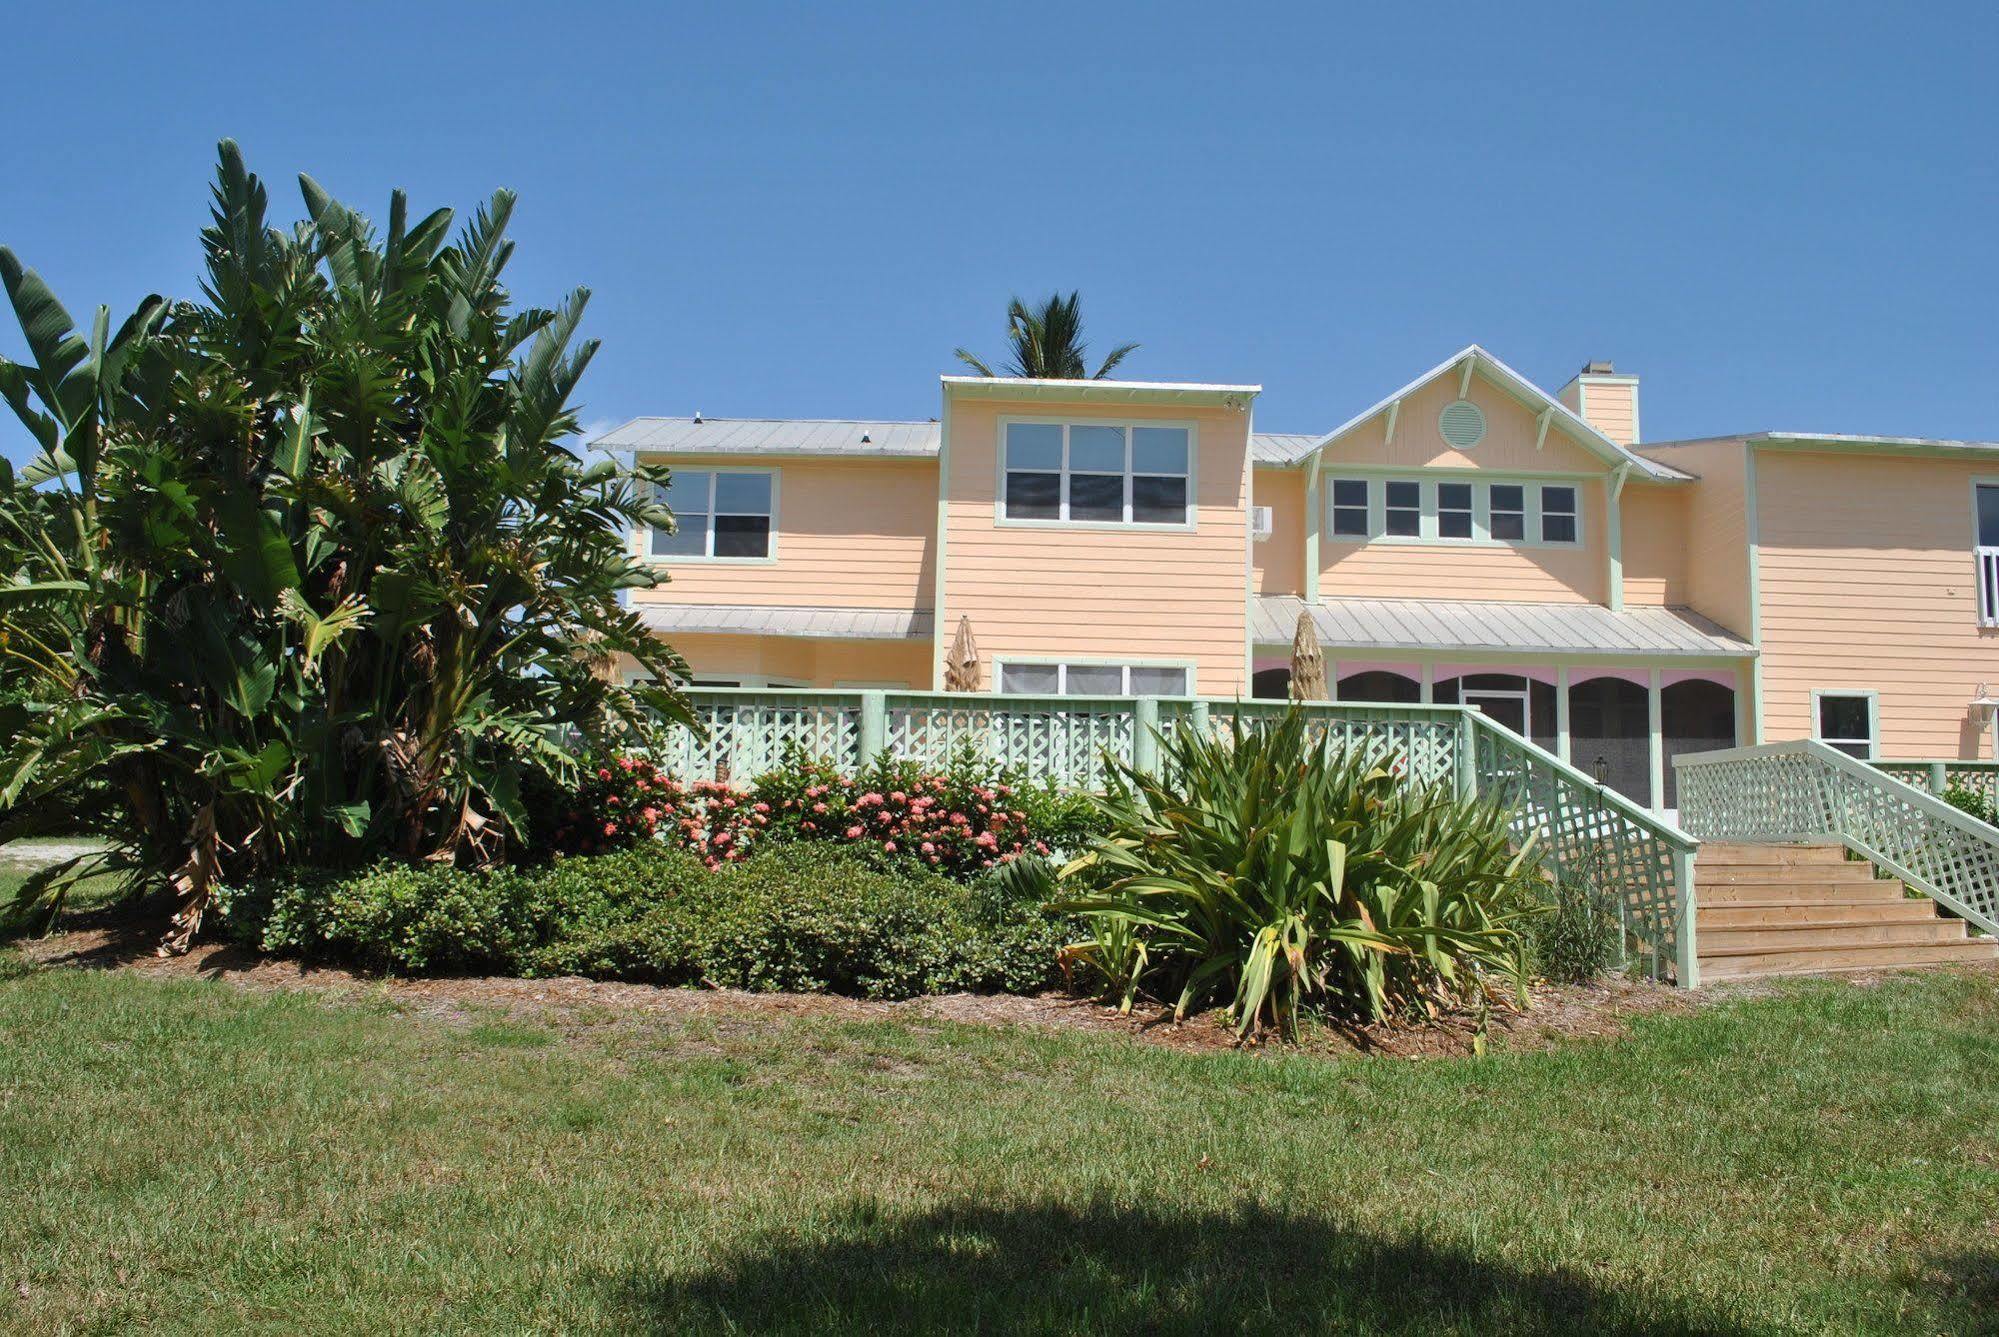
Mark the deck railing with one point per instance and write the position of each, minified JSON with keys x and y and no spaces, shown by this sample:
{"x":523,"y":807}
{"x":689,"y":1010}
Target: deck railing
{"x":1808,"y":791}
{"x":1579,"y":828}
{"x":1980,"y":777}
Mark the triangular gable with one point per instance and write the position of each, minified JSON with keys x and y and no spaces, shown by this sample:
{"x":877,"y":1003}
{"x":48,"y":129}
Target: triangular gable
{"x":1555,"y":416}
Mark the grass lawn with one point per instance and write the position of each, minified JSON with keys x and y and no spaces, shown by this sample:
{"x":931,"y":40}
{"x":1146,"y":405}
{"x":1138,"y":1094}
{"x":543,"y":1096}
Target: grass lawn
{"x":194,"y":1156}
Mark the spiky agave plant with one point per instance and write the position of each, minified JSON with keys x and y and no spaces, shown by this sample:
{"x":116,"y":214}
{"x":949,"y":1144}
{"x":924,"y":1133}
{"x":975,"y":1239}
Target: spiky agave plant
{"x":1277,"y":869}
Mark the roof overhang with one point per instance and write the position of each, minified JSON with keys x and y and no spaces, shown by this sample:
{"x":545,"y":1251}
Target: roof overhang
{"x":830,"y":624}
{"x":1569,"y":630}
{"x":1028,"y":390}
{"x":1475,"y":361}
{"x":1871,"y":445}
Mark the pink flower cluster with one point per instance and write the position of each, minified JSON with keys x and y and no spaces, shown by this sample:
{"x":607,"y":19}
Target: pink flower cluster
{"x":953,"y":823}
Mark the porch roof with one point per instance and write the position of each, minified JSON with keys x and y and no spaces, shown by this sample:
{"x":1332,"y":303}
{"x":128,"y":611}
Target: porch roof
{"x":836,"y":624}
{"x":1513,"y":628}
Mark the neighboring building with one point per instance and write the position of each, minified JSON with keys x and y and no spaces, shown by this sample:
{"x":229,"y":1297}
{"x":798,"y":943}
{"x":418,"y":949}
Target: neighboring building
{"x":1467,"y":538}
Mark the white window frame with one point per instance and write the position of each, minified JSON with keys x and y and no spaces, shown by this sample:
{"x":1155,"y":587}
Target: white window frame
{"x":1984,"y":562}
{"x":1541,"y":514}
{"x":1428,"y":528}
{"x":1062,"y":666}
{"x":708,"y":558}
{"x":1065,"y":422}
{"x":1333,"y":508}
{"x":1873,"y":698}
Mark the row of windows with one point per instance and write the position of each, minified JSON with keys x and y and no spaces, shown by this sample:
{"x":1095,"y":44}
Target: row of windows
{"x":1367,"y":508}
{"x":1096,"y":473}
{"x":1056,"y":679}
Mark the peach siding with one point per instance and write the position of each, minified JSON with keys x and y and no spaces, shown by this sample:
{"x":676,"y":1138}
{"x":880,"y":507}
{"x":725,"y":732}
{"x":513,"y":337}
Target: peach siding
{"x":1866,"y":573}
{"x":1115,"y":594}
{"x":1277,"y":564}
{"x":1510,"y":432}
{"x":1655,"y":547}
{"x":807,"y":662}
{"x":1716,"y":533}
{"x":851,"y":533}
{"x":1613,"y":410}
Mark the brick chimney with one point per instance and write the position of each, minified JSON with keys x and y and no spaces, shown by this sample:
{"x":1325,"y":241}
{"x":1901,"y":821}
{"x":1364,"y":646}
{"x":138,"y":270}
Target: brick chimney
{"x":1605,"y":400}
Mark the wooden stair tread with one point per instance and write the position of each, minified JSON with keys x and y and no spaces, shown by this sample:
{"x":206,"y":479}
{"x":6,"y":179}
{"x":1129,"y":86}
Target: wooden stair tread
{"x":1742,"y":964}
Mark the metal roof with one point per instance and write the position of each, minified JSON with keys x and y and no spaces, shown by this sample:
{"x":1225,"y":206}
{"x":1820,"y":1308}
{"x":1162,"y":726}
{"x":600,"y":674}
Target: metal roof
{"x":1836,"y":441}
{"x":773,"y":436}
{"x":1521,"y":628}
{"x":839,"y":624}
{"x":1117,"y":392}
{"x":1281,"y":447}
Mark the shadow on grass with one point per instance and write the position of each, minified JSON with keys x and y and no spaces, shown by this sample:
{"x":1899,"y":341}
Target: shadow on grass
{"x":1106,"y":1269}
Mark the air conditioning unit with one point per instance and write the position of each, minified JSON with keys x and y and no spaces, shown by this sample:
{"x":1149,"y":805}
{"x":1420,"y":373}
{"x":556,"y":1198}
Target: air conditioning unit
{"x":1260,"y":523}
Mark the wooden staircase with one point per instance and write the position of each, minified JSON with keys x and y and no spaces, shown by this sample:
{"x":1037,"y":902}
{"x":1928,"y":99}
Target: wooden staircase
{"x":1807,"y":909}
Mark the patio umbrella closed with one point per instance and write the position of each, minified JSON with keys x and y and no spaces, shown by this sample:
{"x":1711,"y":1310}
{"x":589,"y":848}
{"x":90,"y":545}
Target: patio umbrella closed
{"x":1308,"y":662}
{"x":961,"y":666}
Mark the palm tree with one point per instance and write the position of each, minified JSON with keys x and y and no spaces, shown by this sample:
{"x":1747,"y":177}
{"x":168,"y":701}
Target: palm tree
{"x":1048,"y":343}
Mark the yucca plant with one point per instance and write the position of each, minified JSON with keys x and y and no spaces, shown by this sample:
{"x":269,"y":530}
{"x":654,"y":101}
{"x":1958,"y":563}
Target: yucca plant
{"x":1277,"y":869}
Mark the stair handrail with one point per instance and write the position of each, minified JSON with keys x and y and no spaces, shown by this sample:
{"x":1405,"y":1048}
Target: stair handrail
{"x":1805,"y":790}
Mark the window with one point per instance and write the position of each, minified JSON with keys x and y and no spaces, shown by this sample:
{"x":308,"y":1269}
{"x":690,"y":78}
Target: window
{"x":719,"y":514}
{"x":1096,"y":473}
{"x":1508,"y":521}
{"x":1558,"y":514}
{"x":1350,"y":508}
{"x":1093,"y":680}
{"x":1985,"y":498}
{"x":1405,"y":510}
{"x":1845,"y":720}
{"x":1454,"y":510}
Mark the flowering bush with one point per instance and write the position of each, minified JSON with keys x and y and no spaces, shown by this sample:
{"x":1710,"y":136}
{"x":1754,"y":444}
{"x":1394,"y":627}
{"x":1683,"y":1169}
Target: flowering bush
{"x":957,"y":821}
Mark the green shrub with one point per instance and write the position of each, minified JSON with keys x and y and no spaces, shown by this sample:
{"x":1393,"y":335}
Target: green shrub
{"x":791,"y":918}
{"x":1277,"y":871}
{"x":1580,"y":937}
{"x":1971,"y":802}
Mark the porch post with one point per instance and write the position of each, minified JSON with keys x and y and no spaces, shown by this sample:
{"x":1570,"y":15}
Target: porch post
{"x":1687,"y":965}
{"x":1145,"y":742}
{"x":1656,"y":742}
{"x":1429,"y":672}
{"x":1562,"y":713}
{"x":874,"y":725}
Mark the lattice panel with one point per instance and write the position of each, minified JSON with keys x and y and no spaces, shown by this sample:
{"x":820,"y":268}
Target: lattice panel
{"x":744,"y":736}
{"x":1580,"y":829}
{"x":1980,"y":777}
{"x":1056,"y":740}
{"x":1797,"y":790}
{"x":1423,"y":744}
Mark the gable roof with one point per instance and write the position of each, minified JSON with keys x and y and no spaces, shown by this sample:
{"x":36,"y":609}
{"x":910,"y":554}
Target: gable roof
{"x":773,"y":436}
{"x":1525,"y":392}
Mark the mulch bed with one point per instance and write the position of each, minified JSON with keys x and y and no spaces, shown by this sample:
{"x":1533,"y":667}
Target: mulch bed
{"x":573,"y":1005}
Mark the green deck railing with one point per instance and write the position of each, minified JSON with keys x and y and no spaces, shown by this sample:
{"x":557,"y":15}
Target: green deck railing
{"x":1808,"y":791}
{"x":1579,"y":828}
{"x":1980,"y":777}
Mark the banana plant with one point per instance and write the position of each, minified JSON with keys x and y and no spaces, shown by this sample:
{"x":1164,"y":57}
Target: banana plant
{"x":309,"y":569}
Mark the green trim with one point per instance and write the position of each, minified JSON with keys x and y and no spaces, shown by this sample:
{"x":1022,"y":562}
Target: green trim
{"x":1655,"y":724}
{"x":1752,"y":527}
{"x":938,"y":616}
{"x":1613,"y":511}
{"x":1314,"y":521}
{"x":1562,"y":748}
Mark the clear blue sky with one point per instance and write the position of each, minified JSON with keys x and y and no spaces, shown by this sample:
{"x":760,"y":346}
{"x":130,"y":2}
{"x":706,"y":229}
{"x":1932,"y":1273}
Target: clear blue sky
{"x":1780,"y":216}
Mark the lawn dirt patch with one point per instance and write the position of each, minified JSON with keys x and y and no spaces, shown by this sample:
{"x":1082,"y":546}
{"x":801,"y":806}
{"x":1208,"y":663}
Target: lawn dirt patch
{"x":573,"y":1005}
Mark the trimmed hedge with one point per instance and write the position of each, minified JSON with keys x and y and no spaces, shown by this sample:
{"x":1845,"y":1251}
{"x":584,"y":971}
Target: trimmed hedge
{"x":796,"y":918}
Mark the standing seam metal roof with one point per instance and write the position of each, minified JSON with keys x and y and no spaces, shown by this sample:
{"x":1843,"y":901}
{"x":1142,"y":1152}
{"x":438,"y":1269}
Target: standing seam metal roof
{"x":1451,"y":624}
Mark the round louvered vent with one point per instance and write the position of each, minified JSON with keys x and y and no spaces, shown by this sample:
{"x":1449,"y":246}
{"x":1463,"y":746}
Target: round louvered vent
{"x":1461,"y":424}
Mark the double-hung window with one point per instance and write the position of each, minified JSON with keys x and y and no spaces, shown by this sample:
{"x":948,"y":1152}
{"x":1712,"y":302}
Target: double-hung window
{"x":1056,"y":679}
{"x":1508,"y":520}
{"x":1350,"y":520}
{"x":1986,"y":498}
{"x":719,"y":514}
{"x":1558,"y":513}
{"x":1454,"y":510}
{"x":1845,"y":720}
{"x":1097,"y":473}
{"x":1404,"y":511}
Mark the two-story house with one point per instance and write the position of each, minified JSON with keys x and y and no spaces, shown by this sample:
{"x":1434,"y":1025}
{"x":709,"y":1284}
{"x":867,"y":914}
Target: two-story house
{"x":1467,"y":538}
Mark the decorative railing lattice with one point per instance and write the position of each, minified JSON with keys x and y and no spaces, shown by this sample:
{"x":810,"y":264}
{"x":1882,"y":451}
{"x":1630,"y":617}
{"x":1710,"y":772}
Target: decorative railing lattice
{"x":1579,"y":828}
{"x":1980,"y":777}
{"x":1808,"y":791}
